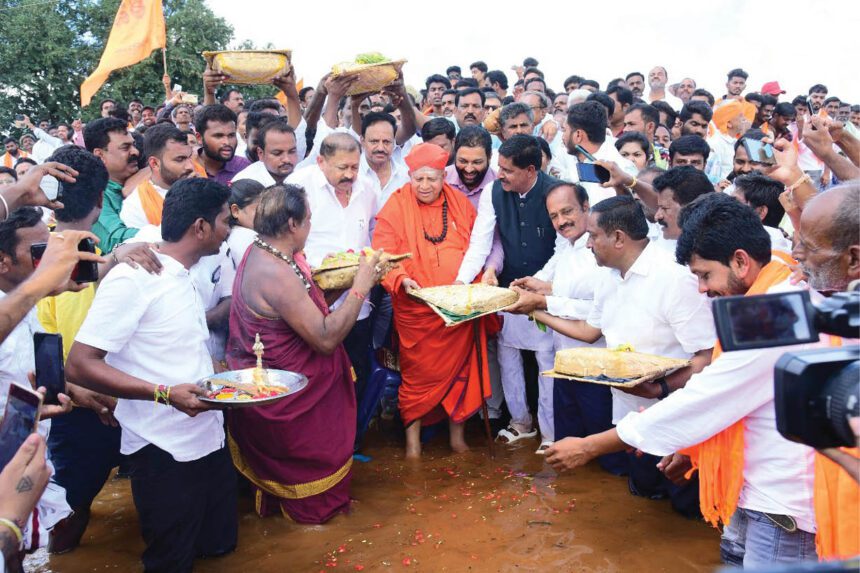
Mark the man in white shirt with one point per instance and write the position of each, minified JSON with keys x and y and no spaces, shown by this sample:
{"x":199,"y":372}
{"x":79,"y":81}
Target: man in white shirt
{"x":726,"y":248}
{"x":377,"y":167}
{"x":677,"y":187}
{"x":46,"y":143}
{"x":143,"y":340}
{"x":586,"y":127}
{"x":658,"y":78}
{"x":732,"y":119}
{"x":516,"y":206}
{"x":565,"y":288}
{"x":343,"y":208}
{"x":278,"y":153}
{"x":762,"y":194}
{"x":169,"y":158}
{"x":653,"y":304}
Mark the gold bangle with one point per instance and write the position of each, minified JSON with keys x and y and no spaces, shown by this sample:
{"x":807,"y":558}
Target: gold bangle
{"x":632,"y":184}
{"x":805,"y":178}
{"x":14,"y":527}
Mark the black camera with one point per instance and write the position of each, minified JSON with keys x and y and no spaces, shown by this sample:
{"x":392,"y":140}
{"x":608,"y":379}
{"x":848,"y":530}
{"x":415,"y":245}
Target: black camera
{"x":816,"y":391}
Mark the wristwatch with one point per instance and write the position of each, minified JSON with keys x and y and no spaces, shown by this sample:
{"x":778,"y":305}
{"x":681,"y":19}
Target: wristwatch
{"x":664,"y":388}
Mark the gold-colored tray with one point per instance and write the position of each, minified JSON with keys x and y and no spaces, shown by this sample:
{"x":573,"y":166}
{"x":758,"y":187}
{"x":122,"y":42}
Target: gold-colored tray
{"x":453,"y":319}
{"x":371,"y":77}
{"x":250,"y":67}
{"x":341,"y":276}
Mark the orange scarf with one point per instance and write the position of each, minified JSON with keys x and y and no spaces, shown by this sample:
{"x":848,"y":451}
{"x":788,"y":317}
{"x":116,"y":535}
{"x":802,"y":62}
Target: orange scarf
{"x":720,"y":458}
{"x":198,"y":168}
{"x":7,"y":158}
{"x":837,"y":505}
{"x":151,"y":200}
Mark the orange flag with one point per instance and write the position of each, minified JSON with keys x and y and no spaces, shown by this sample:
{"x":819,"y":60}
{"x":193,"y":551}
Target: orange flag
{"x":137,"y":30}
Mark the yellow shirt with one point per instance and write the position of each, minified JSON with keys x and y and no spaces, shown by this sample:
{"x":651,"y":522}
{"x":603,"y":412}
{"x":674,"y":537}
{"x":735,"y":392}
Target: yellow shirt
{"x":65,"y":313}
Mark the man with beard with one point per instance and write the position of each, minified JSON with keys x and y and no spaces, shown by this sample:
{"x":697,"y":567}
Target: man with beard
{"x":470,"y":107}
{"x":657,"y":80}
{"x":471,"y":175}
{"x":108,"y":139}
{"x":783,"y":116}
{"x":377,"y":168}
{"x":676,"y":188}
{"x":13,"y":153}
{"x":586,"y":128}
{"x":216,"y":134}
{"x":754,"y":481}
{"x":276,"y":146}
{"x":817,"y":95}
{"x":436,"y":86}
{"x":732,"y":120}
{"x":695,"y":117}
{"x":169,"y":159}
{"x":828,"y":251}
{"x":636,"y":83}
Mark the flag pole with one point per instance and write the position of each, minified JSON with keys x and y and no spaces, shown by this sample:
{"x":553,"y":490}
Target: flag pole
{"x":164,"y":59}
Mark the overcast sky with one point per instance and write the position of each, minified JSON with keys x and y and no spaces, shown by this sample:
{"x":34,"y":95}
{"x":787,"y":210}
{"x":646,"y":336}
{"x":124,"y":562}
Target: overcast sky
{"x":796,"y":42}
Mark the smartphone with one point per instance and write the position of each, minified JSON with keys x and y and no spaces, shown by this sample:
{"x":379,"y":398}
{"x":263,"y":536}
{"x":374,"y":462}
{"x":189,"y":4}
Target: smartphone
{"x":19,"y":121}
{"x":591,"y":173}
{"x":177,"y":88}
{"x":19,"y":420}
{"x":84,"y":272}
{"x":809,"y":107}
{"x":51,"y":187}
{"x":759,"y":151}
{"x":49,"y":365}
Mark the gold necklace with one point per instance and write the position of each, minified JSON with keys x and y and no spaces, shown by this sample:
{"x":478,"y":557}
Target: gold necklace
{"x":273,"y":251}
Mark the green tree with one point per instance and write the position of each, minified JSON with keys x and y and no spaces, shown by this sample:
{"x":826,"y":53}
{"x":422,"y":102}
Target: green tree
{"x":48,"y":49}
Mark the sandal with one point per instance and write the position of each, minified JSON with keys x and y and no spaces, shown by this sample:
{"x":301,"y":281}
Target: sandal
{"x":544,"y":446}
{"x":510,"y":435}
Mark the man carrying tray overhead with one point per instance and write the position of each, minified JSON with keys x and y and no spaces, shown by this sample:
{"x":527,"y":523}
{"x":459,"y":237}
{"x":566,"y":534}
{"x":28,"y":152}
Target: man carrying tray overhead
{"x":439,"y":365}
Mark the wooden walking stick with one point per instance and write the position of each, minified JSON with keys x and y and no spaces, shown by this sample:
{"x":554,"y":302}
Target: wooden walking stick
{"x":477,"y":335}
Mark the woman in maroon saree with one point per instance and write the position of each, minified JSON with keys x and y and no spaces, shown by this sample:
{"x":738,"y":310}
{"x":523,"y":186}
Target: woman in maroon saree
{"x":296,"y":452}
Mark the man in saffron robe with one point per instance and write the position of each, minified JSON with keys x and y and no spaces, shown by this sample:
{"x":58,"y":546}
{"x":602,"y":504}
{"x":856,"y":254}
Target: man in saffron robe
{"x":296,"y":452}
{"x":439,"y":365}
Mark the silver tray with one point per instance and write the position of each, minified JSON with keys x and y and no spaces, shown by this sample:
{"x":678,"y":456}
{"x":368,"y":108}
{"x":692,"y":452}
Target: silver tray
{"x":291,"y":382}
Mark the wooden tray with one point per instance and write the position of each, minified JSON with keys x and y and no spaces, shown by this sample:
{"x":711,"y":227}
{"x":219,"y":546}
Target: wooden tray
{"x":371,"y":77}
{"x":608,"y":382}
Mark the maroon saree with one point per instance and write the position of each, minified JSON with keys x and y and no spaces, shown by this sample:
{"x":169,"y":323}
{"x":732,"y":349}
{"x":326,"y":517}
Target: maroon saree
{"x":297,"y":452}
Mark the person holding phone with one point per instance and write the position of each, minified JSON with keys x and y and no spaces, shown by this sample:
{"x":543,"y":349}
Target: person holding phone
{"x":144,"y":342}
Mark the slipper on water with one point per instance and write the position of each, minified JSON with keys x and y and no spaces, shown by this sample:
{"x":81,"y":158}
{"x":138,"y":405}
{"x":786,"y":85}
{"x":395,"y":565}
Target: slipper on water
{"x":544,"y":446}
{"x":511,"y":435}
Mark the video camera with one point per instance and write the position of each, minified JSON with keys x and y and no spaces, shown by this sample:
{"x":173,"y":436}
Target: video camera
{"x":816,"y":391}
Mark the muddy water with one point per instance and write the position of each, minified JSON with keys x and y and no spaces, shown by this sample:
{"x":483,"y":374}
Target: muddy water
{"x":461,"y":512}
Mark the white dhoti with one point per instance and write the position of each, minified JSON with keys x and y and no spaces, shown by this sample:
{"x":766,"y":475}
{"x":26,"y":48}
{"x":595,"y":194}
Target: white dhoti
{"x":520,"y":333}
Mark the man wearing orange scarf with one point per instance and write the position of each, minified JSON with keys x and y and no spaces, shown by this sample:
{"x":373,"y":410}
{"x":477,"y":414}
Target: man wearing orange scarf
{"x":439,"y":365}
{"x":169,"y":158}
{"x":754,"y":481}
{"x":829,"y":254}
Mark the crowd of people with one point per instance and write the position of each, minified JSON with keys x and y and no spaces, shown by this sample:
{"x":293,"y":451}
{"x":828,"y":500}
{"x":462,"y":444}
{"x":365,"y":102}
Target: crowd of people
{"x":209,"y":219}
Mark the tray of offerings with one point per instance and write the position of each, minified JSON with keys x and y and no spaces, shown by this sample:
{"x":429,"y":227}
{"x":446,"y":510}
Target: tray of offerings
{"x":251,"y":386}
{"x":620,"y":367}
{"x":237,"y":388}
{"x":456,"y":304}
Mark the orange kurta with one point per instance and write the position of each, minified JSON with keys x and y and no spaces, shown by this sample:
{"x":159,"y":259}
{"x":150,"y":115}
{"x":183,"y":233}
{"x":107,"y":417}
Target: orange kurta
{"x":439,"y":365}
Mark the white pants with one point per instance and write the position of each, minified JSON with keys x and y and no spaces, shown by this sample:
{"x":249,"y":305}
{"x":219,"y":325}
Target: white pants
{"x":514,"y":385}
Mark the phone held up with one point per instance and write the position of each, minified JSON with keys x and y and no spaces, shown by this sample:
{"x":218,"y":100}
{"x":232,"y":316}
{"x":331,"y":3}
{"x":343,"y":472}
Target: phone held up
{"x":49,"y":365}
{"x":589,"y":172}
{"x":84,"y":272}
{"x":19,"y":420}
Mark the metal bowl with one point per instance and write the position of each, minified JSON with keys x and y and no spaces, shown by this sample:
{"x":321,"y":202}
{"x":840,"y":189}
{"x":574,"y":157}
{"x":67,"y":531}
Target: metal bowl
{"x":291,"y":382}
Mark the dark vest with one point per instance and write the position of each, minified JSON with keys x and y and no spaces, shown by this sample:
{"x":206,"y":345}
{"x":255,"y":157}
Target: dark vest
{"x":527,"y":234}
